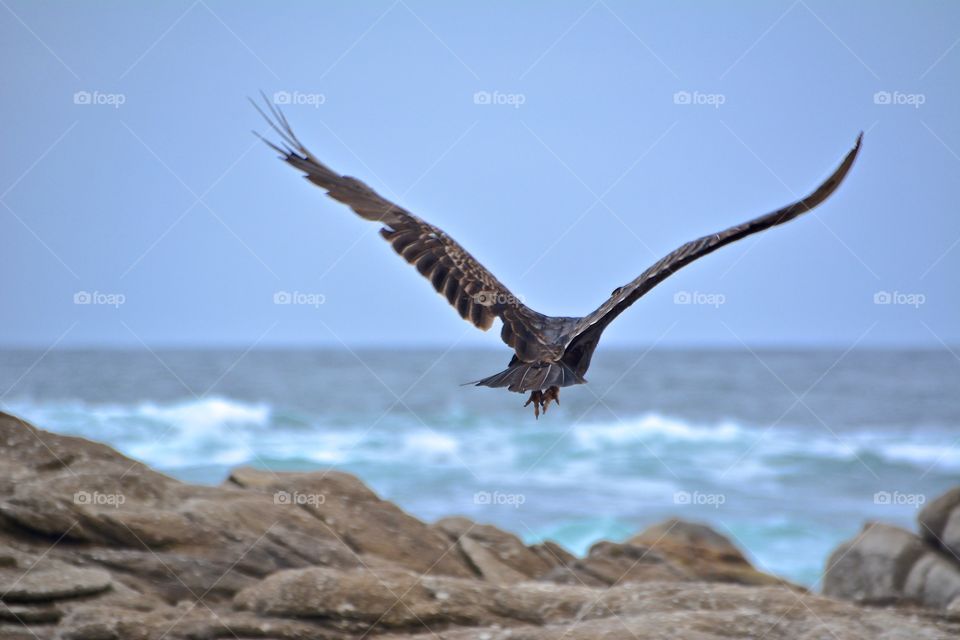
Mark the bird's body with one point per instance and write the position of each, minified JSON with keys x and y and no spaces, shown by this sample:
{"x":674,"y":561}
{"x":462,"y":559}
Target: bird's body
{"x":550,"y":352}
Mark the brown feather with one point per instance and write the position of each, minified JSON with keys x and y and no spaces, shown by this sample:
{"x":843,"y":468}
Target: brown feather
{"x":439,"y":277}
{"x":463,"y":305}
{"x":451,"y":288}
{"x":425,"y":264}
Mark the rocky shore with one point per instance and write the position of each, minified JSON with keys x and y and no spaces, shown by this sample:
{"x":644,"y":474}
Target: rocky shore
{"x":96,"y":546}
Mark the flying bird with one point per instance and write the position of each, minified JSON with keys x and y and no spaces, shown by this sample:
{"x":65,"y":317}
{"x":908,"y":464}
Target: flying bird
{"x":549,"y":352}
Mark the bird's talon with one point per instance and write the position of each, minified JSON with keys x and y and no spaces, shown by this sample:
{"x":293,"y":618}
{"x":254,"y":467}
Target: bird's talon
{"x":541,"y":400}
{"x":536,"y":397}
{"x":553,"y":393}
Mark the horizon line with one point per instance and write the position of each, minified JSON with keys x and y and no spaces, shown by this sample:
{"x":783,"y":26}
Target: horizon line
{"x":430,"y":346}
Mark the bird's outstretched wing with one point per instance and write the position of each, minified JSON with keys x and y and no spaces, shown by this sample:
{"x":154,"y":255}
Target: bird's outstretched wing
{"x":626,"y":295}
{"x":467,"y":285}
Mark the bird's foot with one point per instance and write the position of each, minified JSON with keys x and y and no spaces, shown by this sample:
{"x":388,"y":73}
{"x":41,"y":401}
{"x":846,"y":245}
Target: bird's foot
{"x":536,"y":397}
{"x":541,"y":400}
{"x":553,"y":393}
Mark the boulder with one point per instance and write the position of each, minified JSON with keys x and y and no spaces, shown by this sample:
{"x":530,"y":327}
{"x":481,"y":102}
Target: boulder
{"x":885,"y":564}
{"x":940,"y":522}
{"x":873,"y":567}
{"x":934,"y":581}
{"x":702,"y":553}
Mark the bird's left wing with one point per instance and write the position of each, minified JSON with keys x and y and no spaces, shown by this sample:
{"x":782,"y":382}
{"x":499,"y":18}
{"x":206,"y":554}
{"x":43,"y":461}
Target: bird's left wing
{"x":467,"y":285}
{"x":626,"y":295}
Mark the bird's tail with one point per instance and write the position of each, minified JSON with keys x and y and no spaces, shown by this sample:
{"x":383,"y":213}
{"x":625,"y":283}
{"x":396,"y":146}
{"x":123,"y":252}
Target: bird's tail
{"x":532,"y":376}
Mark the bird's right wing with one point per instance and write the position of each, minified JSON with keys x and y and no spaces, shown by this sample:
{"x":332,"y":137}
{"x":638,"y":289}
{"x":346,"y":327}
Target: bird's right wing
{"x":466,"y":284}
{"x":626,"y":295}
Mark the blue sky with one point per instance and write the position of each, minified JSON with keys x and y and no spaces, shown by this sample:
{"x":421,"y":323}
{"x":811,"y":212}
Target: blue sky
{"x":129,"y":170}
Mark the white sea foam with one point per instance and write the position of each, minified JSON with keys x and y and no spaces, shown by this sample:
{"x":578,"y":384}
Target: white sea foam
{"x":651,"y":426}
{"x":189,"y":415}
{"x":431,"y":443}
{"x":207,"y":413}
{"x":923,"y":454}
{"x":225,"y":431}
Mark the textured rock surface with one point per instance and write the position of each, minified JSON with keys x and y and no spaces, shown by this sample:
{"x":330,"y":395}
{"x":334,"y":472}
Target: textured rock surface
{"x":95,"y":546}
{"x":885,"y":564}
{"x":659,"y":611}
{"x":51,"y":582}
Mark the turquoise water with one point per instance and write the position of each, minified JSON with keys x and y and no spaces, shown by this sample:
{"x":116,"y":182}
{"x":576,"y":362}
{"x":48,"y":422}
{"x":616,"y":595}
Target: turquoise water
{"x":786,"y":452}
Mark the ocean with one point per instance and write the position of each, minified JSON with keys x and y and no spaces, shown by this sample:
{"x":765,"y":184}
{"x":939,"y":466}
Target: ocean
{"x":787,"y":452}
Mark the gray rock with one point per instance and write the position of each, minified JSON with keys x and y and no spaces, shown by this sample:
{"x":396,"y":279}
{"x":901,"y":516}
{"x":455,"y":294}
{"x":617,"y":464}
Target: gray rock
{"x":954,"y":607}
{"x":939,"y":521}
{"x":940,"y":524}
{"x":934,"y":581}
{"x":873,"y":567}
{"x":885,"y":564}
